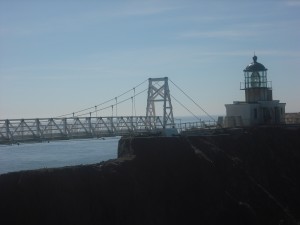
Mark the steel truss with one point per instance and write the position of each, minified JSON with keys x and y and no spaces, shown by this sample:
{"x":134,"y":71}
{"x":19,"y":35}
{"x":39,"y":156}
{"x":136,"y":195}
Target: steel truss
{"x":158,"y":91}
{"x":15,"y":130}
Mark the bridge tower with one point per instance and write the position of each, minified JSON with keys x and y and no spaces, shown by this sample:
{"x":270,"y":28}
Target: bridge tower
{"x":158,"y":91}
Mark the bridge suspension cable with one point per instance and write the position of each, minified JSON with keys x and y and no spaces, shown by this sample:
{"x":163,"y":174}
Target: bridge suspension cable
{"x":105,"y":102}
{"x":192,"y":101}
{"x":117,"y":103}
{"x":185,"y":107}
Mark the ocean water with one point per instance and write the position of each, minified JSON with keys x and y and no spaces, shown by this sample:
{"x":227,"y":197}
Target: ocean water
{"x":56,"y":154}
{"x":63,"y":153}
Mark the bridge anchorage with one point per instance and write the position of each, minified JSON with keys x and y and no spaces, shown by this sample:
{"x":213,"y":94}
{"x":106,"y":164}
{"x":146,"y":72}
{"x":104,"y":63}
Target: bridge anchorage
{"x":71,"y":127}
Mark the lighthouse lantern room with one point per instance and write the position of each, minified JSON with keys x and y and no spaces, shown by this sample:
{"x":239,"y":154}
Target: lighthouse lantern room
{"x":259,"y":106}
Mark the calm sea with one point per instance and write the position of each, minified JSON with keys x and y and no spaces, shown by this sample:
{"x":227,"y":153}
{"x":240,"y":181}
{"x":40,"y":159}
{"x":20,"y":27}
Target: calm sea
{"x":62,"y":153}
{"x":56,"y":154}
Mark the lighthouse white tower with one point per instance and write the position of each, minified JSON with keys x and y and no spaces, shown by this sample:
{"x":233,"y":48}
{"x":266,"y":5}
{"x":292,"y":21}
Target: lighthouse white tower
{"x":259,"y":107}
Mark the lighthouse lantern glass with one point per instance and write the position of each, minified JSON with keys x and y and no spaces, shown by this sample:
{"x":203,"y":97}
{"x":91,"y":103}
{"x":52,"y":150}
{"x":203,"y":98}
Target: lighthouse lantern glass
{"x":255,"y":79}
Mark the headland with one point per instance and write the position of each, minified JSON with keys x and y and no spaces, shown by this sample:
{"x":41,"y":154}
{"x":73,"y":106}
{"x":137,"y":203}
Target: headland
{"x":248,"y":176}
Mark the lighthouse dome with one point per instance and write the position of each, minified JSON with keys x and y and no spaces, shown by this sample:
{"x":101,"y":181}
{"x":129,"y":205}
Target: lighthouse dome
{"x":255,"y":66}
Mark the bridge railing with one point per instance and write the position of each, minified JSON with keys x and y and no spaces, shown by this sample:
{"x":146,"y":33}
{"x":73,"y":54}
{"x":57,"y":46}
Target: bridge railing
{"x":15,"y":130}
{"x":20,"y":130}
{"x":198,"y":125}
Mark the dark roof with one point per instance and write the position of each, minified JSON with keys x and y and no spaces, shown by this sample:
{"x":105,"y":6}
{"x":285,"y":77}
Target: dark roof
{"x":255,"y":66}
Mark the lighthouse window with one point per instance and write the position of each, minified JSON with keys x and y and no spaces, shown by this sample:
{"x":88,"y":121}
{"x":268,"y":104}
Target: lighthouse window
{"x":255,"y":113}
{"x":255,"y":79}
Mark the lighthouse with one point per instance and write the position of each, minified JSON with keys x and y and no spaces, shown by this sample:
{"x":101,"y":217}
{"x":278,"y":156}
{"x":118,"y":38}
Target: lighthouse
{"x":259,"y":108}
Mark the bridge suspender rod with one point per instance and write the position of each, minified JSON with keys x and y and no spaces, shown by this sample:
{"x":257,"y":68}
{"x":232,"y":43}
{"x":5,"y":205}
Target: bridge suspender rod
{"x":105,"y":101}
{"x":118,"y":102}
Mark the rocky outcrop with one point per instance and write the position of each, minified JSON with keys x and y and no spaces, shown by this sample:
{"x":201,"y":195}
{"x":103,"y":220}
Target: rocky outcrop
{"x":250,"y":177}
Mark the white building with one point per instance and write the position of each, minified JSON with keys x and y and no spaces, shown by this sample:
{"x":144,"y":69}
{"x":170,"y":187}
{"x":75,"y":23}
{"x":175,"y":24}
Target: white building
{"x":259,"y":107}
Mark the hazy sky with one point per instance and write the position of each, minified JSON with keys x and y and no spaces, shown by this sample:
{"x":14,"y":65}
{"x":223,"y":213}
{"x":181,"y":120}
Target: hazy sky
{"x":61,"y":56}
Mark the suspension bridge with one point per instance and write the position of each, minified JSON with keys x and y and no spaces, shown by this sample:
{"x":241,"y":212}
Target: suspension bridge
{"x":86,"y":123}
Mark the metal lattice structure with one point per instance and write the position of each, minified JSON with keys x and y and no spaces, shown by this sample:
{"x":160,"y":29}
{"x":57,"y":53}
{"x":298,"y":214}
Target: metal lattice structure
{"x":15,"y":130}
{"x":21,"y":130}
{"x":158,"y":91}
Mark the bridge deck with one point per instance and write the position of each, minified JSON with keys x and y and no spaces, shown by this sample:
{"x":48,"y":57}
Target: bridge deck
{"x":35,"y":130}
{"x":15,"y":130}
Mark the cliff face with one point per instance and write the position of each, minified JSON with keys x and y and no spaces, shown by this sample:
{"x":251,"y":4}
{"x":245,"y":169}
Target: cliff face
{"x":246,"y":178}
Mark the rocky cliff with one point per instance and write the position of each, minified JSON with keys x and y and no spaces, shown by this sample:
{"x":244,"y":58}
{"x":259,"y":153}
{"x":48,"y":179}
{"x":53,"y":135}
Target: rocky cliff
{"x":249,"y":177}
